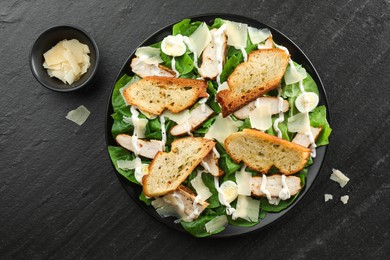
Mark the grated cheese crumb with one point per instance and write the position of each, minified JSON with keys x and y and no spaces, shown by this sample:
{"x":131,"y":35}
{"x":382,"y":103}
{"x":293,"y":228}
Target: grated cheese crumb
{"x":344,"y":199}
{"x":328,"y":197}
{"x":339,"y":177}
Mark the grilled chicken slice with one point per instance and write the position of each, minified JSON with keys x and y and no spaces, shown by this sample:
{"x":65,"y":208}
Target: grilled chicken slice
{"x":210,"y":163}
{"x":274,"y":185}
{"x":209,"y":66}
{"x":143,"y":69}
{"x":180,"y":204}
{"x":273,"y":101}
{"x":304,"y":140}
{"x":197,"y":116}
{"x":148,"y":149}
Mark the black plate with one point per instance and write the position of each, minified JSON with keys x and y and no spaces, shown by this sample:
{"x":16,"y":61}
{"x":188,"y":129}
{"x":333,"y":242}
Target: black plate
{"x":296,"y":54}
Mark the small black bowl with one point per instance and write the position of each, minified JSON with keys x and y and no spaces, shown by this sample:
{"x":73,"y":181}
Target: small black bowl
{"x":50,"y":38}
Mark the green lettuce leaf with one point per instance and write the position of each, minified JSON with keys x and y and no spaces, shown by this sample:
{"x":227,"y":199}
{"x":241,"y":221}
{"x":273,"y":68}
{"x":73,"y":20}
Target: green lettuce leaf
{"x":119,"y":153}
{"x":185,"y":27}
{"x":217,"y":23}
{"x":117,"y":99}
{"x":119,"y":126}
{"x":197,"y":227}
{"x":318,"y":119}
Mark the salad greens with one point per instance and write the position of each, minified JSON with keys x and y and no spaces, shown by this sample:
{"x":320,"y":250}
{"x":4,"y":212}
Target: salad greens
{"x":186,"y":68}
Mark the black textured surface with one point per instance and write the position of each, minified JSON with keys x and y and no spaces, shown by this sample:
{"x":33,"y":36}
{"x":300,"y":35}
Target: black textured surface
{"x":59,"y":197}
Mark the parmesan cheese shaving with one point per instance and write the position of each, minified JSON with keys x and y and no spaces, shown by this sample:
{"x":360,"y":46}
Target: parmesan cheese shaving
{"x":258,"y":35}
{"x":243,"y":179}
{"x":68,"y":60}
{"x":339,"y":177}
{"x":126,"y":164}
{"x":201,"y":189}
{"x":216,"y":224}
{"x":294,"y":73}
{"x":261,"y":116}
{"x":149,"y":55}
{"x":222,"y":128}
{"x":200,"y":39}
{"x":79,"y":115}
{"x":299,"y":123}
{"x":178,"y":118}
{"x":247,"y":208}
{"x":237,"y":34}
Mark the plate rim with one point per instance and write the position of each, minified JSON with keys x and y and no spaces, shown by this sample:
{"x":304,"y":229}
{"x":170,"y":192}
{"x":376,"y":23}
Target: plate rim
{"x":230,"y":231}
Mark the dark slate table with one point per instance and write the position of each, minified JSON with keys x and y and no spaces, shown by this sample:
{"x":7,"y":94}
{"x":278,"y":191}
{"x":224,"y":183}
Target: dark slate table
{"x":60,"y":198}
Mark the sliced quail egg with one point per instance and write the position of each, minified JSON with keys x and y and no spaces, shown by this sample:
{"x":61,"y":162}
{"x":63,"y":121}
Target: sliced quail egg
{"x":173,"y":45}
{"x":306,"y":102}
{"x":229,"y":190}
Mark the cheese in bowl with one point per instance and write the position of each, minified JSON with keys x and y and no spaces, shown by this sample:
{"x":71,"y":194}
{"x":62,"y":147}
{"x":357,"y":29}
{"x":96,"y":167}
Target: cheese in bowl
{"x":68,"y":60}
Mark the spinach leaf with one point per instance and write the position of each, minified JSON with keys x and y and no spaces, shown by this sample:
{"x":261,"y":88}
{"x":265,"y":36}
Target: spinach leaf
{"x":229,"y":67}
{"x":282,"y":127}
{"x":121,"y":126}
{"x":202,"y":130}
{"x":228,"y":166}
{"x":143,"y":198}
{"x":117,"y":99}
{"x":318,"y":119}
{"x":245,"y":125}
{"x":208,"y":180}
{"x":212,"y":91}
{"x":217,"y":23}
{"x":197,"y":227}
{"x":184,"y":64}
{"x":119,"y":153}
{"x":153,"y":129}
{"x":185,"y":27}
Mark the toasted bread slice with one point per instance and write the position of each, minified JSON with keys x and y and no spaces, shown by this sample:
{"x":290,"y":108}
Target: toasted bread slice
{"x":260,"y":151}
{"x":154,"y":94}
{"x":274,"y":185}
{"x":179,"y":203}
{"x":168,"y":170}
{"x":261,"y":73}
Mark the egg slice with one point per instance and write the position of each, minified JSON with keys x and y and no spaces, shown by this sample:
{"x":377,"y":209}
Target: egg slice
{"x":173,"y":45}
{"x":229,"y":190}
{"x":306,"y":102}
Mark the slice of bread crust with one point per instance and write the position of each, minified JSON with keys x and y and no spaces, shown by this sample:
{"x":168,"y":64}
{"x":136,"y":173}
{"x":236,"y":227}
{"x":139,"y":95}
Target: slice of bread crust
{"x":155,"y":94}
{"x":168,"y":170}
{"x":261,"y":73}
{"x":260,"y":151}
